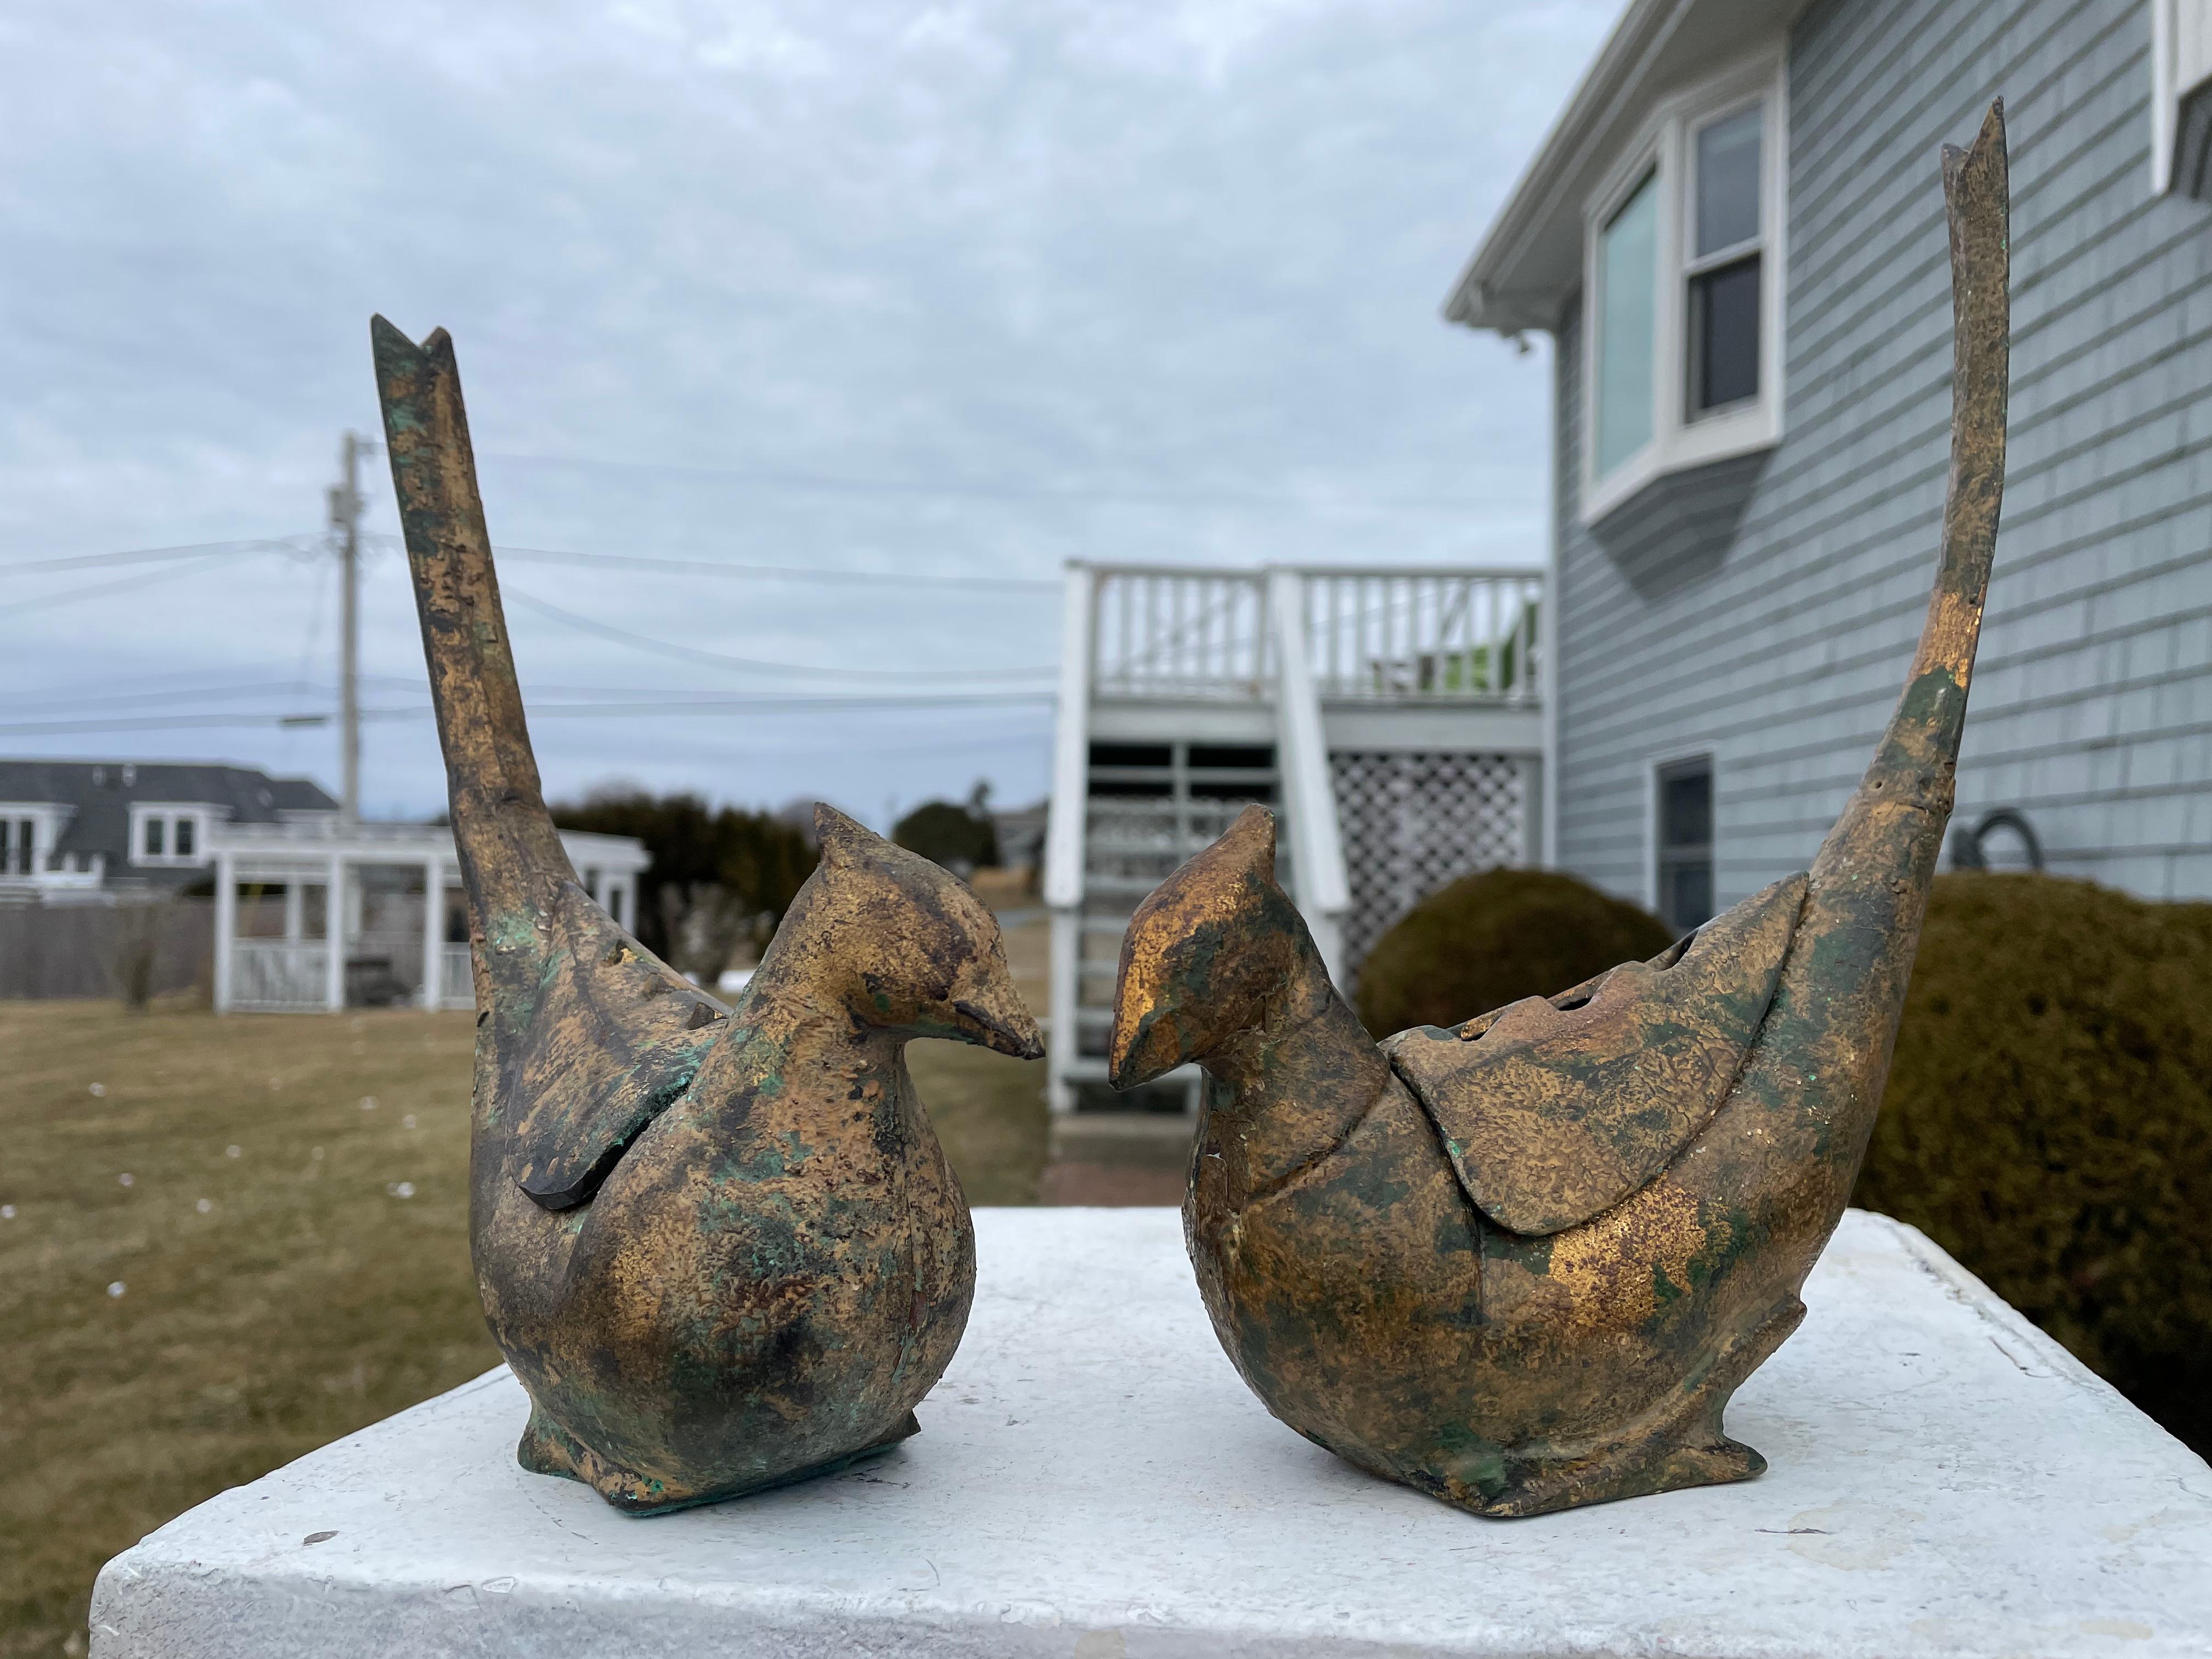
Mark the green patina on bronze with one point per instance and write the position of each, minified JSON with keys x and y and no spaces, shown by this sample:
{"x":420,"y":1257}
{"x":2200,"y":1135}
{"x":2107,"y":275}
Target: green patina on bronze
{"x":721,"y":1248}
{"x":1523,"y":1264}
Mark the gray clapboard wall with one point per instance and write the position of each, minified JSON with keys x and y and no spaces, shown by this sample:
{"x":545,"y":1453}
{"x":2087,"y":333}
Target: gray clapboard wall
{"x":1779,"y":647}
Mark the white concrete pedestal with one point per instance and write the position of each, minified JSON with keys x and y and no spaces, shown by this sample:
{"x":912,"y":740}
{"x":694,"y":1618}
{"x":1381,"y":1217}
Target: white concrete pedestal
{"x":1092,"y":1481}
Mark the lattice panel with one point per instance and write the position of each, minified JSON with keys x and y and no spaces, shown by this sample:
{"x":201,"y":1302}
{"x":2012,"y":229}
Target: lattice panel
{"x":1411,"y":822}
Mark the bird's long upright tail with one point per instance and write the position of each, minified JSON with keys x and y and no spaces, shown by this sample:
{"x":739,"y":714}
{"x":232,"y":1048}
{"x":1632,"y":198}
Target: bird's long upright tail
{"x":1897,"y":817}
{"x":1805,"y":1103}
{"x":507,"y":844}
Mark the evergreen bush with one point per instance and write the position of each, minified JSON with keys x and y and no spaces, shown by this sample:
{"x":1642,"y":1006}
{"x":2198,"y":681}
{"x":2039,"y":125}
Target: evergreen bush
{"x":1488,"y":939}
{"x":2049,"y":1122}
{"x":962,"y":839}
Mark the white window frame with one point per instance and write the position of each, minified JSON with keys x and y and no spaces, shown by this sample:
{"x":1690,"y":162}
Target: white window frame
{"x":45,"y":831}
{"x":1654,"y":767}
{"x":2180,"y":63}
{"x":170,"y":813}
{"x":1664,"y":145}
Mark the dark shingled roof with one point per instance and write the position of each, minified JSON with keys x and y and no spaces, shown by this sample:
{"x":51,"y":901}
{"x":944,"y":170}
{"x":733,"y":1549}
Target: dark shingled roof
{"x":97,"y":789}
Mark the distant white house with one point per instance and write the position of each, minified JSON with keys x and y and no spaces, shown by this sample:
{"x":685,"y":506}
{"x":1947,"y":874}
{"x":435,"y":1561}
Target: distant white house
{"x":273,"y":851}
{"x":401,"y":927}
{"x":91,"y":831}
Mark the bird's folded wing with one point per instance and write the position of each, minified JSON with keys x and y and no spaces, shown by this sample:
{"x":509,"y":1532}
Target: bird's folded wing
{"x":610,"y":1036}
{"x":1552,"y":1111}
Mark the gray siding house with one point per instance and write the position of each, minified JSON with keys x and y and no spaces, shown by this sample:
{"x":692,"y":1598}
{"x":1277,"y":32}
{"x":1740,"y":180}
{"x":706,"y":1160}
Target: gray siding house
{"x":1735,"y":236}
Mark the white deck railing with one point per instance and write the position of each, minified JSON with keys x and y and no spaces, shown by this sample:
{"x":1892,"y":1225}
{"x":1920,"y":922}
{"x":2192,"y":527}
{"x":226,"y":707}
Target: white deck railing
{"x":1168,"y":633}
{"x":1406,"y":636}
{"x":1424,"y":635}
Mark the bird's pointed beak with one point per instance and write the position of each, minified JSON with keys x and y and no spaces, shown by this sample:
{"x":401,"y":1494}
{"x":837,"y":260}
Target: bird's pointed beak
{"x":1008,"y":1029}
{"x":1132,"y":1054}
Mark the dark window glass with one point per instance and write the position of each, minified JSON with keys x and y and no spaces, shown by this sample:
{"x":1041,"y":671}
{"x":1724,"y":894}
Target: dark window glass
{"x":154,"y":828}
{"x":1241,"y":757}
{"x":1131,"y":754}
{"x":1686,"y":811}
{"x":185,"y":831}
{"x":1728,"y":182}
{"x":1686,"y":844}
{"x":1689,"y":896}
{"x":1724,"y":336}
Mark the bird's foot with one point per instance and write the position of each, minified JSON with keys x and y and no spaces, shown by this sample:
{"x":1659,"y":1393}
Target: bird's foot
{"x":546,"y":1448}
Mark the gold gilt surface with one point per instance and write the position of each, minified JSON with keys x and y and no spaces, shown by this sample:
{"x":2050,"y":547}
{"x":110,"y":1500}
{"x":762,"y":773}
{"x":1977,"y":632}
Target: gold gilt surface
{"x":1523,"y":1265}
{"x":721,"y":1248}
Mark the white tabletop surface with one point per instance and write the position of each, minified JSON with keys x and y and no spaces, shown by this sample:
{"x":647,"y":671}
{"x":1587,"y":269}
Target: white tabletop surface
{"x":1092,"y":1481}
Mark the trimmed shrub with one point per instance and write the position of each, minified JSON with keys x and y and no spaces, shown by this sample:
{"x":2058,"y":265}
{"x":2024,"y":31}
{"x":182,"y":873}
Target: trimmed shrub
{"x":1492,"y":939}
{"x":963,"y":839}
{"x":2049,"y":1122}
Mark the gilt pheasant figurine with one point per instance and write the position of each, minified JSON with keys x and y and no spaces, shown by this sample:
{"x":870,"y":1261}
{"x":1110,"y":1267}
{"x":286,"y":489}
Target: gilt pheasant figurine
{"x":721,"y":1249}
{"x":1523,"y":1264}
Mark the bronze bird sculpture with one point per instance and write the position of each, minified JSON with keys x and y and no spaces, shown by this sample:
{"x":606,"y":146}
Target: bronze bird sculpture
{"x":1523,"y":1264}
{"x":720,"y":1248}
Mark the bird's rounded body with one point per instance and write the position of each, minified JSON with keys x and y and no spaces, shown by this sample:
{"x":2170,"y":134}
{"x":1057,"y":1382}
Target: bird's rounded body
{"x":1523,"y":1264}
{"x":765,"y":1284}
{"x":1376,"y":1309}
{"x":720,"y":1248}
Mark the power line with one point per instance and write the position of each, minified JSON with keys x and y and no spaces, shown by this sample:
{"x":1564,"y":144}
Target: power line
{"x":782,"y":573}
{"x":149,"y":556}
{"x":669,"y":648}
{"x":801,"y":705}
{"x":996,"y":489}
{"x":134,"y":584}
{"x":258,"y":688}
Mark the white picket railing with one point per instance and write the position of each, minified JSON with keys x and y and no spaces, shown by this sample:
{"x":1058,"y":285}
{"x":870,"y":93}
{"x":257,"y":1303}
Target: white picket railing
{"x":1425,"y":635}
{"x":457,"y":988}
{"x":1168,"y":633}
{"x":1404,"y":635}
{"x":276,"y":976}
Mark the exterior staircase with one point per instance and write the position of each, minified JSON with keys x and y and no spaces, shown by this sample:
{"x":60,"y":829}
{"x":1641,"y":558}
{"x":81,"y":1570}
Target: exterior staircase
{"x":1391,"y":719}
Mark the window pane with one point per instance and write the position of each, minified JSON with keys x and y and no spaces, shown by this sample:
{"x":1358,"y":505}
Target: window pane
{"x":1728,"y":182}
{"x":1724,"y":336}
{"x":1686,"y":809}
{"x":1626,"y":326}
{"x":185,"y":828}
{"x":1686,"y":844}
{"x":153,"y":837}
{"x":1689,"y":896}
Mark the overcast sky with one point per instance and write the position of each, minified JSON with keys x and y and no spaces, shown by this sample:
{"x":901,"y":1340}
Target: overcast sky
{"x":957,"y":291}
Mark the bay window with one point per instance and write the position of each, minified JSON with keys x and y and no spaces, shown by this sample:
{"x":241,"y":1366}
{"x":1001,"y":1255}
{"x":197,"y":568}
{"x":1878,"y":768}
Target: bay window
{"x":1682,"y":307}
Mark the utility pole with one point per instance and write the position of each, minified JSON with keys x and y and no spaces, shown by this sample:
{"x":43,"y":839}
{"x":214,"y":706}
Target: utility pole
{"x":345,"y":518}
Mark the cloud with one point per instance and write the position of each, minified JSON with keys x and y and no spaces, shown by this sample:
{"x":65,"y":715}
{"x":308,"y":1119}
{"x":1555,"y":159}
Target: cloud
{"x":964,"y":288}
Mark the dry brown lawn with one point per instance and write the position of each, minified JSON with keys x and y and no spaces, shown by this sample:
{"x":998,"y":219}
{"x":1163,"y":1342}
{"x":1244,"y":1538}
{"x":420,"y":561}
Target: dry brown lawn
{"x":234,"y":1240}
